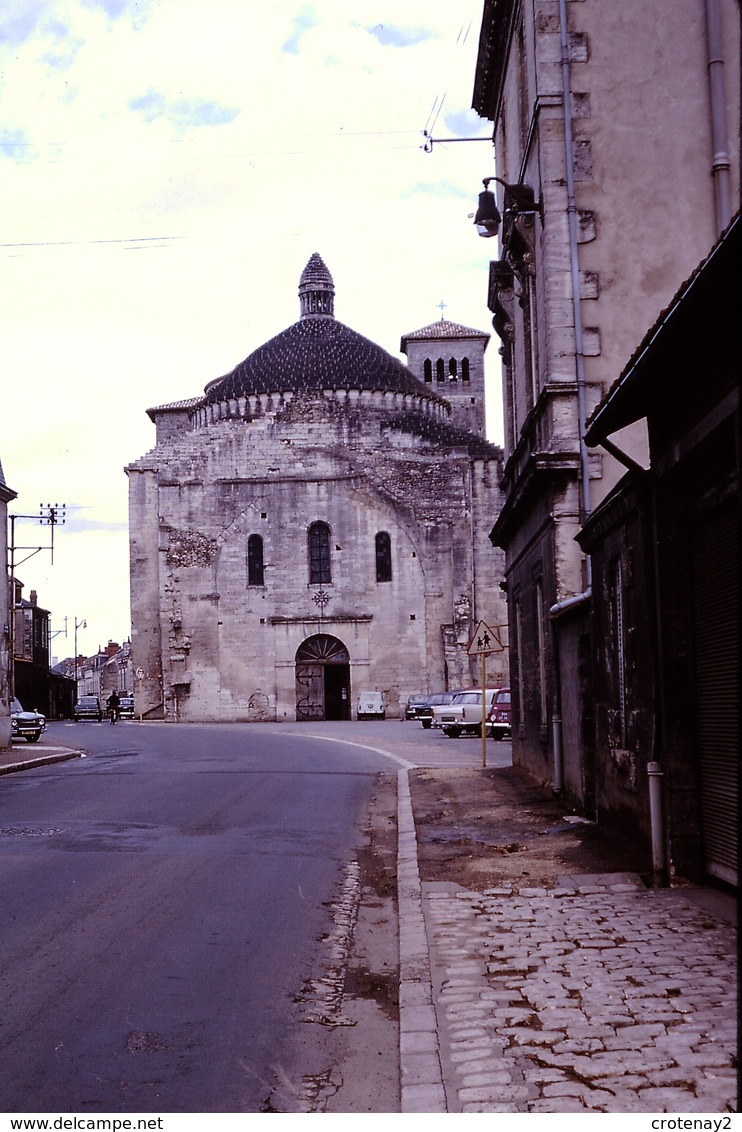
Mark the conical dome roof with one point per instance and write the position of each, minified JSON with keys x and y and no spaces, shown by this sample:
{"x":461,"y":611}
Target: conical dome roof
{"x":317,"y":353}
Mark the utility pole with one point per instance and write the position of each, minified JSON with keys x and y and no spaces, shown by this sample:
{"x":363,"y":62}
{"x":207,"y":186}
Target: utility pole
{"x":49,"y":515}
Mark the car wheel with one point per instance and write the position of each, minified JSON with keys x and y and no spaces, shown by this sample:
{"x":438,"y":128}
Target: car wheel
{"x":427,"y":723}
{"x":33,"y":738}
{"x":451,"y":732}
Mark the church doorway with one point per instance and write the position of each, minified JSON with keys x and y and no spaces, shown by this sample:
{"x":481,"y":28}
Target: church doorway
{"x":322,"y":679}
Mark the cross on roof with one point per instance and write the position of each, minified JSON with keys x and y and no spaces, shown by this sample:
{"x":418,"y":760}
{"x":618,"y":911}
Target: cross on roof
{"x":442,"y":306}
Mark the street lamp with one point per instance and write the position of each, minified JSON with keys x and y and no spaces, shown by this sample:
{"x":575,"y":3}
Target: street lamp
{"x":78,"y":625}
{"x":519,"y":199}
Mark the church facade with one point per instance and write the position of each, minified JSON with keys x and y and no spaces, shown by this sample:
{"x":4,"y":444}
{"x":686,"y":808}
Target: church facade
{"x":316,"y":525}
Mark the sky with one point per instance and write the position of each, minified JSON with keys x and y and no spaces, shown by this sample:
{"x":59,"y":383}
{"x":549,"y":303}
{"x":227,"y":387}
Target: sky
{"x":167,"y":167}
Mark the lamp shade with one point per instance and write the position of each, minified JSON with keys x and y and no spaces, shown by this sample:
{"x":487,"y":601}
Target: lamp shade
{"x":487,"y":217}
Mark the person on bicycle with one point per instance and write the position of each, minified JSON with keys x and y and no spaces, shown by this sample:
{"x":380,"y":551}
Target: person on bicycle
{"x":112,"y":705}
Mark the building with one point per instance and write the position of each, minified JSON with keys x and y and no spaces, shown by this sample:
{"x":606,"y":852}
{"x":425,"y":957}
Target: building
{"x":7,"y":495}
{"x":316,"y":525}
{"x":117,"y":673}
{"x":616,"y":137}
{"x":665,"y":548}
{"x":30,"y":650}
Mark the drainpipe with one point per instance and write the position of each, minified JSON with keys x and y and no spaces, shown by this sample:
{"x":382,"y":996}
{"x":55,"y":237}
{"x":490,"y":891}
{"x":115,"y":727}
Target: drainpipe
{"x":575,"y":272}
{"x":562,"y":606}
{"x":720,"y":164}
{"x":657,"y":824}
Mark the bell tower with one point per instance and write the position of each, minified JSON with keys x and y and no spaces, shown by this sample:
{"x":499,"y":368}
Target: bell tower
{"x":449,"y":358}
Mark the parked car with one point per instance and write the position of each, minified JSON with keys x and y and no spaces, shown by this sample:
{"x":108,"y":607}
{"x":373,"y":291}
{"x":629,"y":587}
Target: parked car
{"x":88,"y":707}
{"x":438,"y":699}
{"x":26,"y":725}
{"x":463,"y":716}
{"x":414,"y":702}
{"x":371,"y":706}
{"x":126,"y":706}
{"x":499,"y":718}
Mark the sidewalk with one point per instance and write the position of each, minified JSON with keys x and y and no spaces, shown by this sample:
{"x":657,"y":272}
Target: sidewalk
{"x":24,"y":756}
{"x":548,"y":988}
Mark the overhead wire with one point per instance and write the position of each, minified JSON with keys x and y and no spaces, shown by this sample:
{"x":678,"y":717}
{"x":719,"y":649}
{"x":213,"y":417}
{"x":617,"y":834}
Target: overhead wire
{"x":439,"y":100}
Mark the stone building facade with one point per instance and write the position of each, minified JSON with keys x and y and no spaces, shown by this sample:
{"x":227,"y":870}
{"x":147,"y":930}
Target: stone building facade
{"x":316,"y":525}
{"x":616,"y":139}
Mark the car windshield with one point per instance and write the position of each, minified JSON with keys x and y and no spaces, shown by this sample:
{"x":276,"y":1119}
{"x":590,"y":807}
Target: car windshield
{"x":468,"y":698}
{"x":503,"y":698}
{"x":16,"y":706}
{"x":88,"y":699}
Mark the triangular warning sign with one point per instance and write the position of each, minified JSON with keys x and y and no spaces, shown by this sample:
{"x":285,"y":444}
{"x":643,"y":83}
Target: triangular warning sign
{"x":485,"y":641}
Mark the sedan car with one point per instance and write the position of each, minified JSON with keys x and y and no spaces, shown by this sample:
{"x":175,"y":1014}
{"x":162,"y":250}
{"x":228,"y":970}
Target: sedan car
{"x":88,"y":707}
{"x":26,"y":725}
{"x":463,"y":716}
{"x":126,"y":706}
{"x":414,"y":702}
{"x":425,"y":713}
{"x":499,"y":718}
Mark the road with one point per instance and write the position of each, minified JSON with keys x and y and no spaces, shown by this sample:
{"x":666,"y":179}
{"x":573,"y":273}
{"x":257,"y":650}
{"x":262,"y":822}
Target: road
{"x":162,"y":901}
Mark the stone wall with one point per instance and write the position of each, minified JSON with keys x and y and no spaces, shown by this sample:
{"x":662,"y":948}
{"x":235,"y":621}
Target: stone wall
{"x":215,"y":647}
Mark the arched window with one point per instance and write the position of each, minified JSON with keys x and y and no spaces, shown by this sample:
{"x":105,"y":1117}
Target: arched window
{"x":452,"y":375}
{"x":319,"y":554}
{"x":428,"y":369}
{"x":465,"y":369}
{"x":383,"y":557}
{"x":255,"y":571}
{"x":440,"y":370}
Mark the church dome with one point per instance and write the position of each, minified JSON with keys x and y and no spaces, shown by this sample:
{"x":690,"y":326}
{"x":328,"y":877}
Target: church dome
{"x":317,"y":353}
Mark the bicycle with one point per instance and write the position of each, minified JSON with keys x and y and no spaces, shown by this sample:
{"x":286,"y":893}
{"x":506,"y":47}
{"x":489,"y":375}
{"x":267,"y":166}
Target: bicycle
{"x":113,"y":715}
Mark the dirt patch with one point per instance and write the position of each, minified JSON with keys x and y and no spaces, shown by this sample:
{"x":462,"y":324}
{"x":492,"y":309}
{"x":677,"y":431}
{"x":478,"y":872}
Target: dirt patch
{"x":344,"y":1054}
{"x":483,"y":828}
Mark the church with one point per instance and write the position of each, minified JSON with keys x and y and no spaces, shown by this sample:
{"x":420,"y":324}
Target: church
{"x":315,"y":525}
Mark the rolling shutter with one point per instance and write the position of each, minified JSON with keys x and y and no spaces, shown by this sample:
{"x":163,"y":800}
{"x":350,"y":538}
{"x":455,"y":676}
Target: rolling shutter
{"x":715,"y":577}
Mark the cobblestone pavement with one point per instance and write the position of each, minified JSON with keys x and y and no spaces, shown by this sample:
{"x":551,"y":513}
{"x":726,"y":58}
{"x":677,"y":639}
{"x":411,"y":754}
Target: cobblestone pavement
{"x":595,"y":995}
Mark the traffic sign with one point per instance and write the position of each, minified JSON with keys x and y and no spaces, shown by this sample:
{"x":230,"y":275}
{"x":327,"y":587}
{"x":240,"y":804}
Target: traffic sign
{"x":485,"y":641}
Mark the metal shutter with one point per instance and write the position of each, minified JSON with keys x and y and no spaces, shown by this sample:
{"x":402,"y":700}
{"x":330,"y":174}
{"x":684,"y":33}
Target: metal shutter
{"x":715,"y":578}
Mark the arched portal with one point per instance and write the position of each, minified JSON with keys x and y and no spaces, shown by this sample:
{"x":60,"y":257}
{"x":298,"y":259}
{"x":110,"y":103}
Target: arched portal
{"x":322,"y":679}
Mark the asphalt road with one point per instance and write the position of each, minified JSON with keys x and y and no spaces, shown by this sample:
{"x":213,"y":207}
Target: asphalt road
{"x":161,"y":901}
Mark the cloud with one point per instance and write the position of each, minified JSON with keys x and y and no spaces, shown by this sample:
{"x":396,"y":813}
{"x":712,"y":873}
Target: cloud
{"x":182,"y":113}
{"x":13,"y":142}
{"x":390,"y":36}
{"x":302,"y":22}
{"x":467,"y":124}
{"x":19,"y":22}
{"x":80,"y":526}
{"x":115,"y":8}
{"x":64,"y":48}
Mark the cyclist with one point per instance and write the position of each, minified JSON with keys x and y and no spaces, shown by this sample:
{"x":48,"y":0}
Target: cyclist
{"x":112,"y":706}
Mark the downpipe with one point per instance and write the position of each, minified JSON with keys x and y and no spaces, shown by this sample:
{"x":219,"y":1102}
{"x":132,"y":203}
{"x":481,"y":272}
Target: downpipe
{"x":657,"y":825}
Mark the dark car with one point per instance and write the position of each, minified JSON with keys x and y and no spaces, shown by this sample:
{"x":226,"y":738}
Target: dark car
{"x":26,"y":725}
{"x":126,"y":706}
{"x":88,"y":707}
{"x":499,"y":718}
{"x":425,"y":713}
{"x":414,"y":702}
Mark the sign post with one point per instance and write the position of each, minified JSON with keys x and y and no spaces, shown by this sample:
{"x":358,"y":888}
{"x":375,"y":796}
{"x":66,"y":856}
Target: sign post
{"x":484,"y":642}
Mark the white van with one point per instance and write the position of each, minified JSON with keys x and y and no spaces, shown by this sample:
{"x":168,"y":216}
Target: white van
{"x":370,"y":706}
